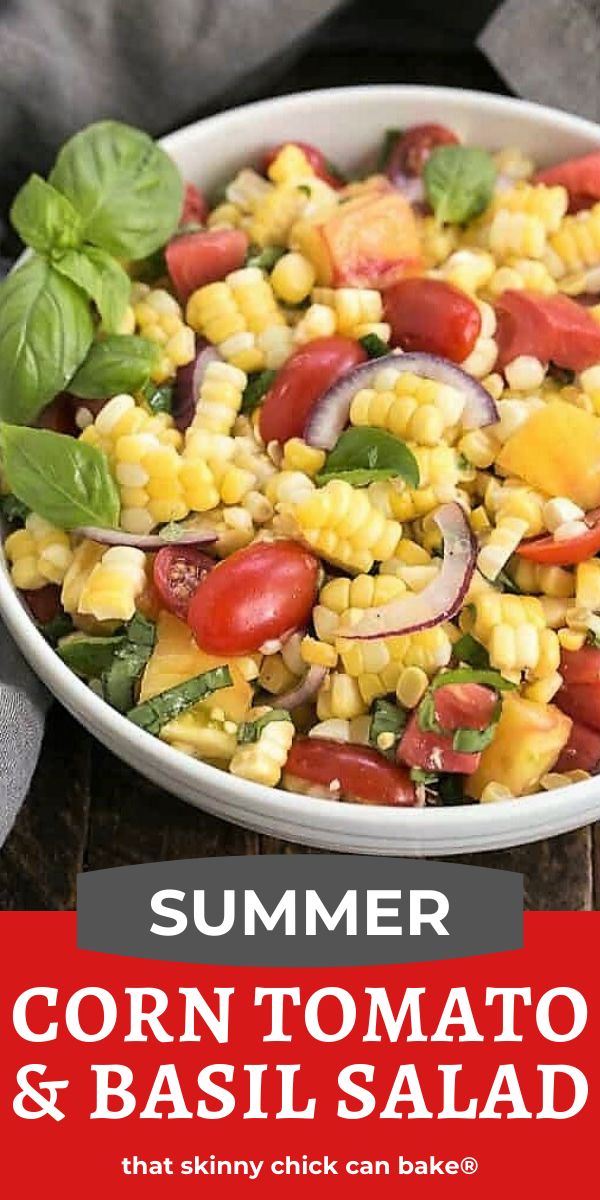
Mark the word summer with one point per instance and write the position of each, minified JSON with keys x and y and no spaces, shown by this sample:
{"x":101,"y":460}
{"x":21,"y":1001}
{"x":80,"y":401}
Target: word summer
{"x":387,"y":1087}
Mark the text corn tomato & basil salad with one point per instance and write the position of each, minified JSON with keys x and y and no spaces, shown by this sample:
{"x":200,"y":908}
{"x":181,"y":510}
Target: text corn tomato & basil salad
{"x":306,"y":480}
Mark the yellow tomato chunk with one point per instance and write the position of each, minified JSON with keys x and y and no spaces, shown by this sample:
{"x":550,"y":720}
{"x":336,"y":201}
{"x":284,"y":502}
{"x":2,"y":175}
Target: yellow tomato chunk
{"x":528,"y":741}
{"x":557,"y":450}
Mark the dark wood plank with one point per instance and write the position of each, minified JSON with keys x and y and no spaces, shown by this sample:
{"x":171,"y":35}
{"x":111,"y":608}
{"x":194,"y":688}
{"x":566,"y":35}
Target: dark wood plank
{"x":558,"y":873}
{"x":40,"y":860}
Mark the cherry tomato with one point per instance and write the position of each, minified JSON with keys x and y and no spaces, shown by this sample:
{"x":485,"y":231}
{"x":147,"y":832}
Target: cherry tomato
{"x":552,"y":328}
{"x":194,"y":259}
{"x":580,"y":176}
{"x":319,"y":163}
{"x":306,"y":375}
{"x":434,"y":316}
{"x":43,"y":603}
{"x":359,"y":773}
{"x":255,"y":596}
{"x":433,"y":751}
{"x":580,"y":666}
{"x":195,"y":208}
{"x":581,"y":702}
{"x":565,"y":553}
{"x":582,"y":751}
{"x":178,"y":572}
{"x":412,"y":148}
{"x":464,"y":706}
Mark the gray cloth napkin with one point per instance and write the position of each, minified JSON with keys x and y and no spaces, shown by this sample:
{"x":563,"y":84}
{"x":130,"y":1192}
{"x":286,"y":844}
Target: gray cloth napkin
{"x":23,"y":703}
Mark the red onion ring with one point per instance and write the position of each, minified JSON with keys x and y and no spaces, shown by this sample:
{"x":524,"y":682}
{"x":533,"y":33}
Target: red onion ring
{"x":188,"y":381}
{"x":149,"y":541}
{"x":329,"y":416}
{"x":440,"y":600}
{"x":304,"y":690}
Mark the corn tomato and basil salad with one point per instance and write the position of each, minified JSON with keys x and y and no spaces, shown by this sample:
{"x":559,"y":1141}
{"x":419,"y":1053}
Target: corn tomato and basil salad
{"x":304,"y":478}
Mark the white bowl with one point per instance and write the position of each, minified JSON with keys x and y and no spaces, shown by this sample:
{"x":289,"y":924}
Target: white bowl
{"x":348,"y":124}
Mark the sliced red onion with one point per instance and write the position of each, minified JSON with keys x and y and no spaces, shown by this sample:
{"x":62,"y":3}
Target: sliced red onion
{"x":149,"y":541}
{"x":440,"y":600}
{"x":411,"y":186}
{"x":329,"y":416}
{"x":188,"y":382}
{"x":304,"y":690}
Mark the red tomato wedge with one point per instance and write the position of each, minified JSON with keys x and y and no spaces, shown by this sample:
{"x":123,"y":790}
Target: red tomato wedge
{"x":464,"y":706}
{"x":580,"y":666}
{"x":358,"y":772}
{"x":319,"y":163}
{"x":308,"y":372}
{"x":43,"y":603}
{"x":433,"y":751}
{"x":565,"y":553}
{"x":580,"y":176}
{"x":581,"y":702}
{"x":195,"y":207}
{"x":178,"y":571}
{"x":412,"y":148}
{"x":258,"y":594}
{"x":433,"y":316}
{"x":582,"y":751}
{"x":194,"y":259}
{"x":552,"y":328}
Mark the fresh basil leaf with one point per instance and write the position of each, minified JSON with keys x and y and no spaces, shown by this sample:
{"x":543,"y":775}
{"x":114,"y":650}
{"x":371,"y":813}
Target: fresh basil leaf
{"x":121,"y":362}
{"x":88,"y":656}
{"x":101,"y":277}
{"x":13,"y":510}
{"x":255,"y":390}
{"x":264,"y":257}
{"x":250,"y":731}
{"x":459,"y":182}
{"x":426,"y":717}
{"x":123,"y":670}
{"x":153,"y":714}
{"x":127,"y":191}
{"x":158,"y":398}
{"x":386,"y":718}
{"x":374,"y":345}
{"x":43,"y":218}
{"x":491,"y":679}
{"x":59,"y":477}
{"x":468,"y":650}
{"x":472,"y":741}
{"x":364,"y":453}
{"x":45,"y":332}
{"x":390,"y":137}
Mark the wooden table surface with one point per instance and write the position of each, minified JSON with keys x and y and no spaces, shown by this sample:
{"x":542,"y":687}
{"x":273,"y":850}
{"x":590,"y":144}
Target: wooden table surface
{"x":86,"y":810}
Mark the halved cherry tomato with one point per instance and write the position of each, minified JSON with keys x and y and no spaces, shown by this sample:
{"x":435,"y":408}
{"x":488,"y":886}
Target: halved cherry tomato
{"x":195,"y":208}
{"x":565,"y":553}
{"x":581,"y":702}
{"x":582,"y":751}
{"x":580,"y":176}
{"x":319,"y":163}
{"x":464,"y":706}
{"x":412,"y":148}
{"x":434,"y":316}
{"x":580,"y":666}
{"x":178,"y":571}
{"x":258,"y":594}
{"x":43,"y":603}
{"x":194,"y":259}
{"x":552,"y":328}
{"x":433,"y":751}
{"x":308,"y":372}
{"x":358,"y":772}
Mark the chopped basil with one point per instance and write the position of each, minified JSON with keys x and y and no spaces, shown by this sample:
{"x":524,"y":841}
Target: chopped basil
{"x":427,"y":778}
{"x":264,"y":257}
{"x":491,"y":679}
{"x":256,"y":389}
{"x":153,"y":714}
{"x":468,"y":650}
{"x":471,"y":741}
{"x":363,"y":454}
{"x":459,"y":182}
{"x":158,"y":398}
{"x":386,"y":719}
{"x":88,"y":656}
{"x":250,"y":731}
{"x":426,"y":717}
{"x":13,"y":510}
{"x":120,"y":676}
{"x":374,"y":345}
{"x":57,"y":628}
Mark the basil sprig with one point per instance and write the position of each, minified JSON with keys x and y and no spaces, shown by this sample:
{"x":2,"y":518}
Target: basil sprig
{"x":112,"y":193}
{"x":459,"y":182}
{"x":364,"y":454}
{"x":59,"y":477}
{"x":250,"y":731}
{"x":120,"y":362}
